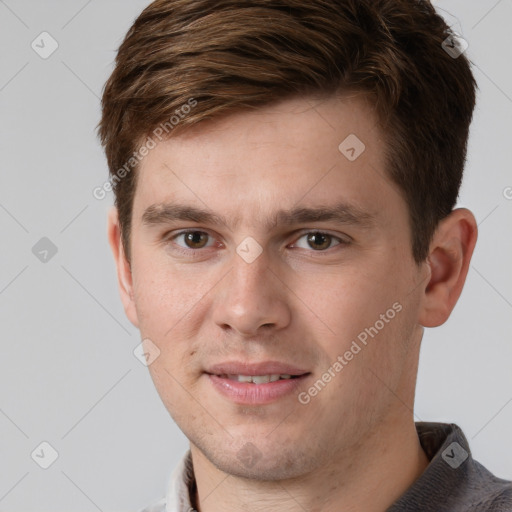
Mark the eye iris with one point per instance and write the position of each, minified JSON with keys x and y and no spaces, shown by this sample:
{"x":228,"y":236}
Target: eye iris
{"x":314,"y":237}
{"x":194,"y":237}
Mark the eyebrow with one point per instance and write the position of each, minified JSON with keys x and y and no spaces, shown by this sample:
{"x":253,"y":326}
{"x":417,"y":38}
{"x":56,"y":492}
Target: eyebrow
{"x":342,"y":213}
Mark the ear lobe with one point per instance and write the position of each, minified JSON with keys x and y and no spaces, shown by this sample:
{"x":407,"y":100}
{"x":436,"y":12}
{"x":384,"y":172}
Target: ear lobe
{"x":450,"y":254}
{"x":124,"y":273}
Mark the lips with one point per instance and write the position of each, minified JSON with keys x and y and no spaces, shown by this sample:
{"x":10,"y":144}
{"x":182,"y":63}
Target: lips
{"x":257,"y":394}
{"x":256,"y":383}
{"x":256,"y":369}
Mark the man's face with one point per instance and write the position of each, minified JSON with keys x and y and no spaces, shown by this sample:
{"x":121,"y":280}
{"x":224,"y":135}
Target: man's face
{"x":297,"y":291}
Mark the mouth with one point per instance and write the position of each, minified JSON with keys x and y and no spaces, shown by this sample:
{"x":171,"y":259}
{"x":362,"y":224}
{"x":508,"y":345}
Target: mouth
{"x":243,"y":371}
{"x":260,"y":379}
{"x":256,"y":384}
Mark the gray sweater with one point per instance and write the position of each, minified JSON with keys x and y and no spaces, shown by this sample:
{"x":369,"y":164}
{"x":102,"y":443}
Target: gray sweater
{"x":452,"y":482}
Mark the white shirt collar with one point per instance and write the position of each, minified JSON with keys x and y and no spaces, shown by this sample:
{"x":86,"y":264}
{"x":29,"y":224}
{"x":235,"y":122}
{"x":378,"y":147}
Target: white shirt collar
{"x":177,"y":498}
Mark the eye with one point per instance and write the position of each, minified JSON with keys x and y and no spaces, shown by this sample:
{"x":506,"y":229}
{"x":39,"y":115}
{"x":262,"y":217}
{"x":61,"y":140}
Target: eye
{"x":193,"y":239}
{"x":319,"y":241}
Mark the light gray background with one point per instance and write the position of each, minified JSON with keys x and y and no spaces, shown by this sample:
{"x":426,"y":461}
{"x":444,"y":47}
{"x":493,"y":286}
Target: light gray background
{"x":68,"y":375}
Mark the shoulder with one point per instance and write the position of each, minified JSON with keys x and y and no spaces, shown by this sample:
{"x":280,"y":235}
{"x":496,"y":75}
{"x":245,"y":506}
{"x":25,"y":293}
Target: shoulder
{"x":492,"y":494}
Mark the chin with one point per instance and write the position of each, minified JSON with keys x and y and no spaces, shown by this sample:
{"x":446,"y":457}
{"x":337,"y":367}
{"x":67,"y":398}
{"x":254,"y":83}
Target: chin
{"x":264,"y":461}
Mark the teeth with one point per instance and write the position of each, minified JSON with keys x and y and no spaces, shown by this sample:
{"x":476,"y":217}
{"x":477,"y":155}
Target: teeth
{"x":258,"y":379}
{"x":262,"y":379}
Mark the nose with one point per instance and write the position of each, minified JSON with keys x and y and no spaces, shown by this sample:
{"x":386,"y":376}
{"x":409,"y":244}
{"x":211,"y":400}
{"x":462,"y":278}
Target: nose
{"x":252,"y":299}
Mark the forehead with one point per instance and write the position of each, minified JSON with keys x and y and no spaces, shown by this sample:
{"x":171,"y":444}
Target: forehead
{"x":299,"y":152}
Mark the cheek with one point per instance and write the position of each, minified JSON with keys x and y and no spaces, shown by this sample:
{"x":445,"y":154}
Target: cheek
{"x":170,"y":306}
{"x":163,"y":294}
{"x":174,"y":391}
{"x":346,"y":301}
{"x":364,"y":320}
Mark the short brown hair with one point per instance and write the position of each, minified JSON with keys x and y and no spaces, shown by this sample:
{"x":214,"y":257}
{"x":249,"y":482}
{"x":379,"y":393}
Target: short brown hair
{"x":235,"y":55}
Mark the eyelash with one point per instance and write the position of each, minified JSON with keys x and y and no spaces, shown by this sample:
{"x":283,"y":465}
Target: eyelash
{"x":188,"y":251}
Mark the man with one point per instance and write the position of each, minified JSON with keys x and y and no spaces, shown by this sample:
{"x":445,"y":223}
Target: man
{"x":285,"y":176}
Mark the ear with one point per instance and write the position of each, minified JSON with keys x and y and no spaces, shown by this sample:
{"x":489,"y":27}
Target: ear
{"x":124,"y":273}
{"x":448,"y":261}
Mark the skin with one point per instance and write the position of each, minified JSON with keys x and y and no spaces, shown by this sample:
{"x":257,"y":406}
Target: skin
{"x":354,"y":445}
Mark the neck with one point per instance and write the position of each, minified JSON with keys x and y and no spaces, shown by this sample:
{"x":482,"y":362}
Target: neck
{"x":371,"y":478}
